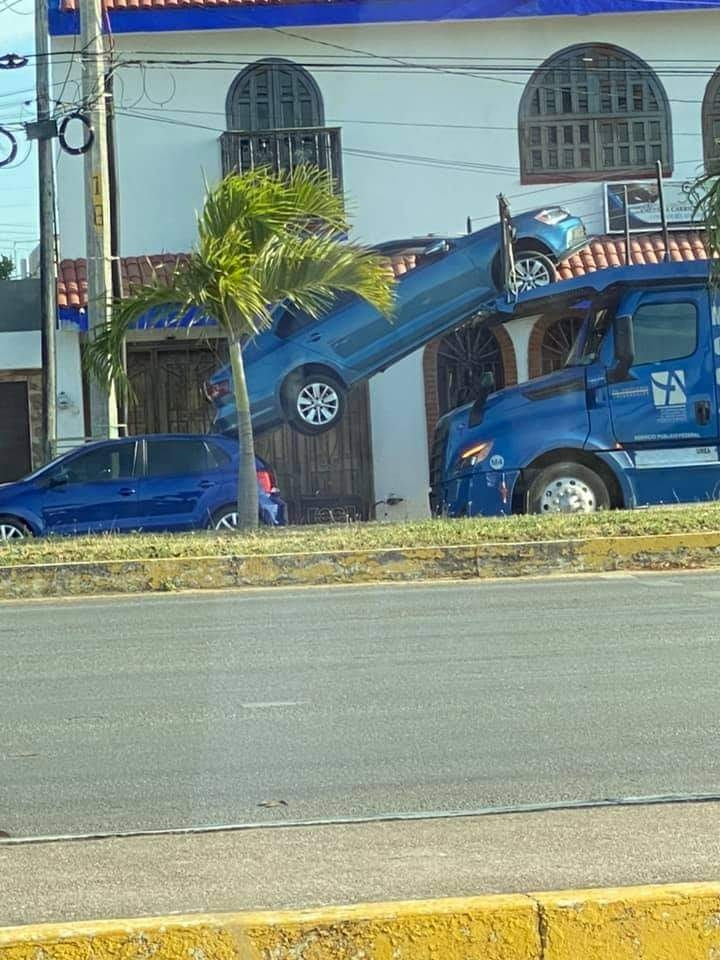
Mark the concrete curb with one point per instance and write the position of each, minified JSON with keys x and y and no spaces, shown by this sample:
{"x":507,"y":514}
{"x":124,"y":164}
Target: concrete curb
{"x":655,"y":923}
{"x":680,"y":551}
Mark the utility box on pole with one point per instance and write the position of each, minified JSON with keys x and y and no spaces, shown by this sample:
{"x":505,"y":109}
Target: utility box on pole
{"x":103,"y":405}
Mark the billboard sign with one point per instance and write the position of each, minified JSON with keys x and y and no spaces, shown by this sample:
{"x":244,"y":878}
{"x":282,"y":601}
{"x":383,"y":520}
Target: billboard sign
{"x":644,"y":206}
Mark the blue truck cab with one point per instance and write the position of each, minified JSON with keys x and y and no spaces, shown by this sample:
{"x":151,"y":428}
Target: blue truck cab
{"x":631,"y":420}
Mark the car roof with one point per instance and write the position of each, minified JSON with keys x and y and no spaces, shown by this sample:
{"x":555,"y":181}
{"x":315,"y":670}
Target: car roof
{"x":155,"y":436}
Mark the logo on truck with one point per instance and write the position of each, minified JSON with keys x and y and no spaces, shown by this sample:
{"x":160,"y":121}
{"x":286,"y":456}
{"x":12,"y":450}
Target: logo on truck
{"x":668,"y":387}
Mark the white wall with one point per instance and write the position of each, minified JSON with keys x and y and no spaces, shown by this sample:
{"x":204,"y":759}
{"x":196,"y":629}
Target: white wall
{"x":70,"y":421}
{"x":447,"y":124}
{"x":164,"y":150}
{"x":399,"y":440}
{"x":20,"y":350}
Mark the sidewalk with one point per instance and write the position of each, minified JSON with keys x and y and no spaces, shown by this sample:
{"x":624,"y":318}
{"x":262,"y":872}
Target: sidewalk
{"x":310,"y":866}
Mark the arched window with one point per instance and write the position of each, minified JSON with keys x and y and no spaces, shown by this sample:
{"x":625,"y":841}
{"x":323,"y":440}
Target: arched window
{"x":463,"y":357}
{"x":711,"y":124}
{"x":593,"y":112}
{"x":275,"y":119}
{"x":274,"y":95}
{"x":557,"y":342}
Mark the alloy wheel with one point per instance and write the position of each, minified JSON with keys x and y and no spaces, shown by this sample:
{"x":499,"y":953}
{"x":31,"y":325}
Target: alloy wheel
{"x":318,"y":404}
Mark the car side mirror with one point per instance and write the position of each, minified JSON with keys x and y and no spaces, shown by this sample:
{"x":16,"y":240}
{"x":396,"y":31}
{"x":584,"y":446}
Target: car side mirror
{"x":60,"y":479}
{"x":624,"y":341}
{"x":440,"y":246}
{"x":487,"y":386}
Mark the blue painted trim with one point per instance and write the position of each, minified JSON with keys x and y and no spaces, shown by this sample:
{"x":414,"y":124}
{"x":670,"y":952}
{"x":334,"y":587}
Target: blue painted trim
{"x":75,"y":318}
{"x":342,"y":12}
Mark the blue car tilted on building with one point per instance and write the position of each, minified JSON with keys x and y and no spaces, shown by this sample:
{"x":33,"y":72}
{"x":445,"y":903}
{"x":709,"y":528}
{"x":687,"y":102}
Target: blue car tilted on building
{"x":300,"y":369}
{"x":158,"y":482}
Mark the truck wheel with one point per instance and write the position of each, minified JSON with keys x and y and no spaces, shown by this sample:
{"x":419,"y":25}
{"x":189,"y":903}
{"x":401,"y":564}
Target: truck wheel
{"x":567,"y":488}
{"x":314,"y":402}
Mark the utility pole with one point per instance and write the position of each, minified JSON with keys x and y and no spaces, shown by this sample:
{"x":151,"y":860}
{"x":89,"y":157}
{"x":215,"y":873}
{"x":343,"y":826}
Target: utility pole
{"x":46,"y":187}
{"x":103,"y":406}
{"x":116,"y":269}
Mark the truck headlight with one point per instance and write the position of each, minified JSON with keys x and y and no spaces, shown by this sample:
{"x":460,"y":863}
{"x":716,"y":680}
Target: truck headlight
{"x":475,"y":454}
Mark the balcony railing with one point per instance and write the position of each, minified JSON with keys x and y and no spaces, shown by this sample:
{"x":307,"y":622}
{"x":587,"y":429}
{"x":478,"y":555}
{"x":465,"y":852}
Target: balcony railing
{"x":283,"y":150}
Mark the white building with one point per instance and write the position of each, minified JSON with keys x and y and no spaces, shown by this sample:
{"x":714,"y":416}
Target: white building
{"x":428,"y":110}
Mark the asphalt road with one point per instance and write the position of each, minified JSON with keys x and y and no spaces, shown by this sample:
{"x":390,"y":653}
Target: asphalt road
{"x":130,"y":714}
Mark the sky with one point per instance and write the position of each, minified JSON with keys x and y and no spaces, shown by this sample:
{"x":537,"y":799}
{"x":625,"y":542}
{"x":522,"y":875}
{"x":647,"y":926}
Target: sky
{"x":18,"y":181}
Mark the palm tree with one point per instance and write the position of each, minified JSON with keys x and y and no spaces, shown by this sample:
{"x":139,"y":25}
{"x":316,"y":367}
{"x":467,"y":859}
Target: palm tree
{"x":255,"y":248}
{"x":705,"y":192}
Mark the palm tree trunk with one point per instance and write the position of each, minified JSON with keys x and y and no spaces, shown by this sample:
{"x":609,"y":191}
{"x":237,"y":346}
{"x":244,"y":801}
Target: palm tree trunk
{"x":247,"y":477}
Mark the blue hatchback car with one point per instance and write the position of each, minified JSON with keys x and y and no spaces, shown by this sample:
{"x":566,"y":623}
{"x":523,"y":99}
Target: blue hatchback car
{"x":155,"y":482}
{"x":301,"y":368}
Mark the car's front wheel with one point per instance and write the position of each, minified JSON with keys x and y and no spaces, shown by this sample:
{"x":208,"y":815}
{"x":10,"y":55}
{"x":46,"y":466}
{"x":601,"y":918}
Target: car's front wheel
{"x":532,"y":270}
{"x":12,"y":529}
{"x":314,"y":402}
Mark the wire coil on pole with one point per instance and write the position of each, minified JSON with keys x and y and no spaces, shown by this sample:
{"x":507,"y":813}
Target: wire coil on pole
{"x":13,"y":149}
{"x":89,"y":134}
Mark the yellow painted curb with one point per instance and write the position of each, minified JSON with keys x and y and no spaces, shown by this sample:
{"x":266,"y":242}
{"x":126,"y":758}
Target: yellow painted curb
{"x":679,"y":922}
{"x":643,"y":923}
{"x":462,"y":562}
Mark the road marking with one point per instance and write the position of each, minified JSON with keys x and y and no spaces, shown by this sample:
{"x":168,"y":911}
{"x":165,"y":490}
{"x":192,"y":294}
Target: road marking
{"x":265,"y":704}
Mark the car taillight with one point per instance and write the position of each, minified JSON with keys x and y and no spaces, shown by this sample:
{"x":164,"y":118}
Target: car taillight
{"x":266,"y":480}
{"x":213,"y":391}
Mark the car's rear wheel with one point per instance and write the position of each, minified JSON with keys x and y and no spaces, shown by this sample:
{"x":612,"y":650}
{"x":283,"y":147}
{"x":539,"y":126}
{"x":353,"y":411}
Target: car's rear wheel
{"x":12,"y":529}
{"x":567,"y":488}
{"x":532,"y":270}
{"x":314,"y":402}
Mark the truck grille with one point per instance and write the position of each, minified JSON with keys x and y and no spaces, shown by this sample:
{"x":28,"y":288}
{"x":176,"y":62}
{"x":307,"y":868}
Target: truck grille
{"x":437,"y":465}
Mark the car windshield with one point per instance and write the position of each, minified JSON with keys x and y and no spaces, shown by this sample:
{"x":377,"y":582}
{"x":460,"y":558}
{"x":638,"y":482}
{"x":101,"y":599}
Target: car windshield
{"x":360,"y":561}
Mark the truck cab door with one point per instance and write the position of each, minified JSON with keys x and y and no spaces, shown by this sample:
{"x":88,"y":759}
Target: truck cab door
{"x":663,"y":411}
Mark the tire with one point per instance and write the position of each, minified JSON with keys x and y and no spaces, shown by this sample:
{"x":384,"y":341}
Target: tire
{"x":567,"y":488}
{"x":313,"y":402}
{"x":225,"y":518}
{"x":532,"y":270}
{"x":13,"y":529}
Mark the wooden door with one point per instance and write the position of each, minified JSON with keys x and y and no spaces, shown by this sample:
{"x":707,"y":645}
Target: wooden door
{"x":328,"y":478}
{"x":168,"y":383}
{"x":15,"y":458}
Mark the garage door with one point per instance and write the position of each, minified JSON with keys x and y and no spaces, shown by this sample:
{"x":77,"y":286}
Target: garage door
{"x":14,"y":431}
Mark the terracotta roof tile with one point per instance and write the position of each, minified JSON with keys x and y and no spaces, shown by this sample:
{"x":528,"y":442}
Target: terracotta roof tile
{"x":601,"y":253}
{"x":70,"y":6}
{"x":610,"y":252}
{"x":72,"y":279}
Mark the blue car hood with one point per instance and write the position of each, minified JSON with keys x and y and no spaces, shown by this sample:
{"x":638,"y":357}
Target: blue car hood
{"x":8,"y":491}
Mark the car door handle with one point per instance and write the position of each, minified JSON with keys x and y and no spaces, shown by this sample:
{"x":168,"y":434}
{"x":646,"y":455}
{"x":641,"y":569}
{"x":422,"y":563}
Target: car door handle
{"x":702,"y":411}
{"x":206,"y":484}
{"x":126,"y":492}
{"x":314,"y":337}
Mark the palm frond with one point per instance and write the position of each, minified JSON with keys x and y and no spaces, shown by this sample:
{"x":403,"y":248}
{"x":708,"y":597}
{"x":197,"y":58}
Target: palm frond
{"x":706,"y":196}
{"x":310,"y":271}
{"x":251,"y":209}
